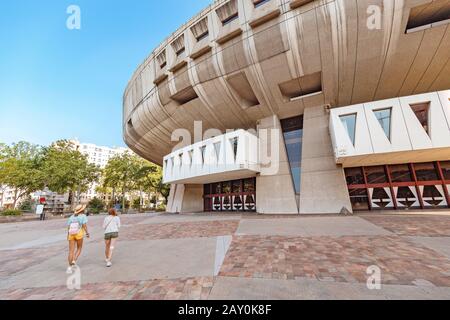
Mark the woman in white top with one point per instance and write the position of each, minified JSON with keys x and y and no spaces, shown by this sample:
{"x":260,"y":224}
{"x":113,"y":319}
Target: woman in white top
{"x":111,"y":225}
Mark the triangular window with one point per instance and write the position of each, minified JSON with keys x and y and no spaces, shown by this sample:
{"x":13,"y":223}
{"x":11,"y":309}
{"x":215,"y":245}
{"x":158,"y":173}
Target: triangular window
{"x":180,"y":157}
{"x":203,"y":151}
{"x":384,"y":119}
{"x":217,"y":149}
{"x":191,"y":154}
{"x":349,"y":122}
{"x":421,"y":111}
{"x":234,"y":146}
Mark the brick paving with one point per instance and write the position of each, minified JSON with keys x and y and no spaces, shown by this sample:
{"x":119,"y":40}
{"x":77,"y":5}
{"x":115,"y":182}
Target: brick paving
{"x":337,"y":259}
{"x":179,"y":230}
{"x":194,"y":288}
{"x":426,"y":226}
{"x":342,"y":259}
{"x":14,"y":261}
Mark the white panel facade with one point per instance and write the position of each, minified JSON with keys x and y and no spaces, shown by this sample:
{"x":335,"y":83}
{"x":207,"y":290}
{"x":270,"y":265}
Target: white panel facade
{"x":214,"y":157}
{"x":406,"y":131}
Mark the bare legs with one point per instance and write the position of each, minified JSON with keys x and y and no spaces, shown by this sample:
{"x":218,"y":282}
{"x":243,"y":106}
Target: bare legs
{"x":109,"y":248}
{"x":79,"y":248}
{"x":71,"y":251}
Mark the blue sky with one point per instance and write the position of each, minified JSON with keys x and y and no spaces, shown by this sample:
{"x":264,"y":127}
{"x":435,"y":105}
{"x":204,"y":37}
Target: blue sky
{"x":57,"y":83}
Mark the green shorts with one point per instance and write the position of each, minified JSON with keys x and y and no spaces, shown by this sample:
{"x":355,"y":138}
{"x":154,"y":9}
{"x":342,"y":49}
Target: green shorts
{"x":111,"y":235}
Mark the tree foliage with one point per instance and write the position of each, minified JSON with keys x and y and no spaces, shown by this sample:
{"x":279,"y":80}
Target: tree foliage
{"x":67,"y":170}
{"x":20,"y":168}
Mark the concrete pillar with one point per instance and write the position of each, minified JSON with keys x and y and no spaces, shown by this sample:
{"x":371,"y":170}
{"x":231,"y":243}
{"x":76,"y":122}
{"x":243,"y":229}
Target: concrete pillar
{"x":185,"y":198}
{"x":192,"y":199}
{"x":274,"y":192}
{"x":323,"y":185}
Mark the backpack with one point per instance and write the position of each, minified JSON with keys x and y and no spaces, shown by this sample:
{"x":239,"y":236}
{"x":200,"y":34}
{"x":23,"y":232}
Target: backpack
{"x":74,"y":228}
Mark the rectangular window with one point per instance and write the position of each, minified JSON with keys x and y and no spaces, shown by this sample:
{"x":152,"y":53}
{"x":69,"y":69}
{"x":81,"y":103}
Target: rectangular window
{"x":354,"y":176}
{"x":216,"y":188}
{"x":426,"y":171}
{"x":236,"y":187}
{"x":249,"y":185}
{"x":432,"y":14}
{"x":258,"y":3}
{"x":445,"y":166}
{"x":359,"y":199}
{"x":375,"y":175}
{"x":400,"y":173}
{"x":226,"y":187}
{"x":299,"y":88}
{"x":293,"y":139}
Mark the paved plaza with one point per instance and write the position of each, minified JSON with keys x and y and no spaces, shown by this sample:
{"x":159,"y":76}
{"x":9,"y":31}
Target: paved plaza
{"x":233,"y":256}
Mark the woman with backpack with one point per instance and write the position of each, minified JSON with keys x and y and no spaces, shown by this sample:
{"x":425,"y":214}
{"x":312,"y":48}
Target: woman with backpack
{"x":76,"y":230}
{"x":111,"y":225}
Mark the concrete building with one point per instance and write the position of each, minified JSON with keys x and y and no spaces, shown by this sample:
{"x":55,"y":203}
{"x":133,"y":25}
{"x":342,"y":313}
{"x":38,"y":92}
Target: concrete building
{"x":6,"y":197}
{"x":333,"y":105}
{"x":98,"y":155}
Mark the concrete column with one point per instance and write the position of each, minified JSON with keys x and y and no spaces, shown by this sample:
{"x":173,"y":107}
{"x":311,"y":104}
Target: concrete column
{"x":323,"y":185}
{"x":185,"y":198}
{"x":275,"y":192}
{"x":192,"y":199}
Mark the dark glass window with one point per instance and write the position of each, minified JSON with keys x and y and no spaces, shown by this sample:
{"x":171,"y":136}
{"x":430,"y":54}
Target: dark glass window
{"x":400,"y":173}
{"x":293,"y":138}
{"x":426,"y":171}
{"x":359,"y":199}
{"x":421,"y":112}
{"x":354,"y":176}
{"x":206,"y":189}
{"x":236,"y":187}
{"x":249,"y":185}
{"x":226,"y":187}
{"x":234,"y":145}
{"x":216,"y":188}
{"x":445,"y":166}
{"x":375,"y":175}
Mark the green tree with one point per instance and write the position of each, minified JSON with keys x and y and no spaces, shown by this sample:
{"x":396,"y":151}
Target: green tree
{"x":67,"y":170}
{"x":127,"y":173}
{"x":119,"y":174}
{"x":153,"y":182}
{"x":21,"y":168}
{"x":96,"y":206}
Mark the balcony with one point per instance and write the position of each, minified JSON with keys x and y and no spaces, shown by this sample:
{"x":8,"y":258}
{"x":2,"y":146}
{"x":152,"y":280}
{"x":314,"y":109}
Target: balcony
{"x":226,"y":157}
{"x":401,"y":130}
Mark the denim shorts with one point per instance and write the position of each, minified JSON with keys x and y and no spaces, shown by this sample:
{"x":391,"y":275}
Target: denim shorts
{"x":111,"y":235}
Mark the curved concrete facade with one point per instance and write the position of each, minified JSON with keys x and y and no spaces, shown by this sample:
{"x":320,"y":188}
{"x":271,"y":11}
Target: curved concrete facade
{"x":241,"y":62}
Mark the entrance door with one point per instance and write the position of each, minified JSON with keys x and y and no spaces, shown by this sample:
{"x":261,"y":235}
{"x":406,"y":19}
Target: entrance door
{"x":228,"y":196}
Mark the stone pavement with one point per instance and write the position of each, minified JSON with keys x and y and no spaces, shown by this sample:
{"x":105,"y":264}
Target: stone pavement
{"x":162,"y":256}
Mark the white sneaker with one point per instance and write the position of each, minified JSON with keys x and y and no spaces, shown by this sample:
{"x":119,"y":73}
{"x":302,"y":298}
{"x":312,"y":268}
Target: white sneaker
{"x":108,"y":264}
{"x":69,"y":270}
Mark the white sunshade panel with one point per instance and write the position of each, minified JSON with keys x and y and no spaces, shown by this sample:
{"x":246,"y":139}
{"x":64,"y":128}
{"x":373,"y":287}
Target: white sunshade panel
{"x":341,"y":135}
{"x":438,"y":135}
{"x":444,"y":97}
{"x":406,"y":131}
{"x":398,"y":139}
{"x":212,"y":156}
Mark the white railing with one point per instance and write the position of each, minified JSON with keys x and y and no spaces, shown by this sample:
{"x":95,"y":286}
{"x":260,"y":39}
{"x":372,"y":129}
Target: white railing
{"x":232,"y":152}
